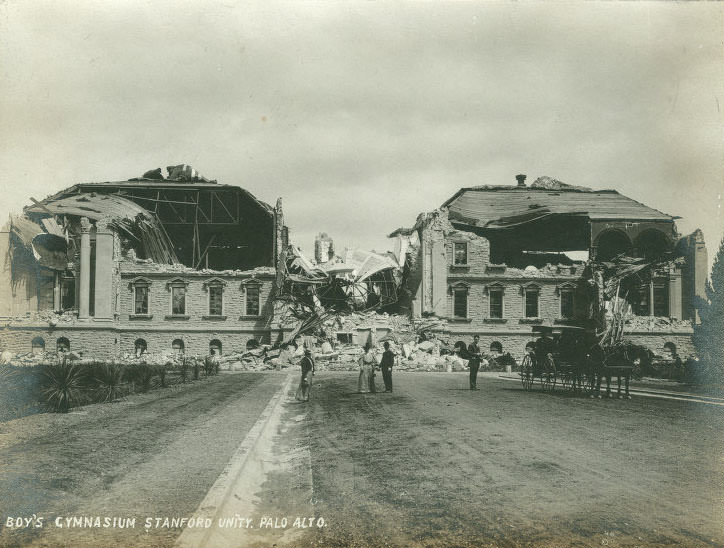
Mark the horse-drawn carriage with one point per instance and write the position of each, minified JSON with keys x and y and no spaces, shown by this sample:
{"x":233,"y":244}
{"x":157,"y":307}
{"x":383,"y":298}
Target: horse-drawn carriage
{"x":575,"y":360}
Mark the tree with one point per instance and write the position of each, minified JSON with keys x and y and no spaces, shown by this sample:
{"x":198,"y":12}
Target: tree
{"x":709,"y":335}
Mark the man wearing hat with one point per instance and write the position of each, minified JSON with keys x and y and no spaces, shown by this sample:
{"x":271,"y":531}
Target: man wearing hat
{"x":305,"y":385}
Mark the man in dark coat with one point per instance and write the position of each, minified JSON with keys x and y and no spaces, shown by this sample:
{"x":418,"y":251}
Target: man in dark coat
{"x":544,"y":347}
{"x":305,"y":384}
{"x":474,"y":363}
{"x":386,"y":363}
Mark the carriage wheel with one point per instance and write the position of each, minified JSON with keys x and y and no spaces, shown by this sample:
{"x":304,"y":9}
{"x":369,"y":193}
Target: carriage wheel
{"x":526,"y":373}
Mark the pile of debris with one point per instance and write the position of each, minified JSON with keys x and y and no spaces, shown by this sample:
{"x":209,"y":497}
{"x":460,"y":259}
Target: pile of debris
{"x":360,"y":281}
{"x":656,"y":323}
{"x":339,"y":340}
{"x":29,"y":359}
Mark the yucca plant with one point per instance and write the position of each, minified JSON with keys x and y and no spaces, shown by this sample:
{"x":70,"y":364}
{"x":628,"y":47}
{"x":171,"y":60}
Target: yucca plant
{"x":144,"y":374}
{"x":108,"y":380}
{"x":63,"y":386}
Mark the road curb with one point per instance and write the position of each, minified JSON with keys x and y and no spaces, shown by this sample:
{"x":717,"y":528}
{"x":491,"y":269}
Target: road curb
{"x":221,"y":490}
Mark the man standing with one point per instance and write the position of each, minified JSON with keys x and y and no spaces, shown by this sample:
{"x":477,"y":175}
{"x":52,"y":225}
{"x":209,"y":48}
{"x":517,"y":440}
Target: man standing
{"x":305,"y":384}
{"x":386,"y":363}
{"x":474,"y":363}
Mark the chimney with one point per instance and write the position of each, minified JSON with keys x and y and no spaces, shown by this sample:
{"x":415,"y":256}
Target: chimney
{"x":521,"y":181}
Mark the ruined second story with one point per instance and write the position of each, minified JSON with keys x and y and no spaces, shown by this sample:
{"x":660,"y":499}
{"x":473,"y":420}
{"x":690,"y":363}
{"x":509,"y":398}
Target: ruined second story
{"x":536,"y":254}
{"x":164,"y":252}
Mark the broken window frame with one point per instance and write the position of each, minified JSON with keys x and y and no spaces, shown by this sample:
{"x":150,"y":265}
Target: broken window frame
{"x":212,"y":286}
{"x":215,"y":344}
{"x":173,"y":287}
{"x":140,"y":347}
{"x":460,"y":288}
{"x":178,"y":347}
{"x":567,"y":291}
{"x":660,"y":301}
{"x":62,"y":345}
{"x":66,"y":282}
{"x":135,"y":285}
{"x":531,"y":289}
{"x":255,"y":286}
{"x":455,"y":253}
{"x":496,"y":289}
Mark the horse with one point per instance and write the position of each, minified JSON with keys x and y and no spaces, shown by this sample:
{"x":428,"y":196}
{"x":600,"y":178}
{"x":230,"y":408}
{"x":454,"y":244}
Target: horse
{"x":610,"y":361}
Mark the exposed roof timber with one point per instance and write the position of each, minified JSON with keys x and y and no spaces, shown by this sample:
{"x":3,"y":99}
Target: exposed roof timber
{"x":119,"y":213}
{"x":506,"y":207}
{"x":171,"y":185}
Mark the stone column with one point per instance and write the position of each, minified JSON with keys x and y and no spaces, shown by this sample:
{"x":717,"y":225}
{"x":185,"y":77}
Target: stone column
{"x":675,"y":308}
{"x":56,"y":290}
{"x":85,"y":268}
{"x":104,"y":272}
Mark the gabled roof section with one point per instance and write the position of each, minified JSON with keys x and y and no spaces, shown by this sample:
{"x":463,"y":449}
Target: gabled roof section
{"x":508,"y":206}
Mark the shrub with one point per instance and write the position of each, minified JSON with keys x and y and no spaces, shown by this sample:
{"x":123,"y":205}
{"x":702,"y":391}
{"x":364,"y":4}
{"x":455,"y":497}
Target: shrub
{"x":140,"y":375}
{"x":108,"y":378}
{"x":63,"y":386}
{"x":196,"y":370}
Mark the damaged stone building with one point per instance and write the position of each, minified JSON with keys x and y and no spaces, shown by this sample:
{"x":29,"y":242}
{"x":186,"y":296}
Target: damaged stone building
{"x":501,"y":261}
{"x":174,"y":263}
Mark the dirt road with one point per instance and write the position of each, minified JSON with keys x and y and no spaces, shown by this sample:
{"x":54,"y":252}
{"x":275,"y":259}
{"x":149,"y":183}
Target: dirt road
{"x":155,"y":454}
{"x":434,"y":464}
{"x":430,"y":465}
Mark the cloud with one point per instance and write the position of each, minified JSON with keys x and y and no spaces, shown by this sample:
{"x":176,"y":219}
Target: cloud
{"x":363,"y":114}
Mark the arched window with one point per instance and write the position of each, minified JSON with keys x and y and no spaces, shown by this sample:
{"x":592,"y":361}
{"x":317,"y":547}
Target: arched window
{"x":140,"y":347}
{"x":62,"y":345}
{"x":178,"y":346}
{"x":251,"y":344}
{"x":652,"y":243}
{"x":215,"y":347}
{"x":37,"y":345}
{"x":611,"y":243}
{"x":496,"y":347}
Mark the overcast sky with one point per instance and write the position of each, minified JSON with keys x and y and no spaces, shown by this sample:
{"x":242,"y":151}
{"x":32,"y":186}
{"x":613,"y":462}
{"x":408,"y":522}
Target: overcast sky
{"x":360,"y":115}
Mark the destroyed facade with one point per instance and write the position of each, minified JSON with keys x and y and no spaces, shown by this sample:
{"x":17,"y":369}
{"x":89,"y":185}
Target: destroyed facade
{"x":501,"y":261}
{"x":176,"y":264}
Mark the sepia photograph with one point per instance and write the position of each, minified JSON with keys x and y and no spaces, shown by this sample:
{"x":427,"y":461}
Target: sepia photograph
{"x":425,"y":274}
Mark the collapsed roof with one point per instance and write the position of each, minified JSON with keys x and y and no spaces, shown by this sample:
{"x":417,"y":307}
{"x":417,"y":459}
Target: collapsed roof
{"x":39,"y":230}
{"x":359,"y":281}
{"x":190,"y":219}
{"x":501,"y":207}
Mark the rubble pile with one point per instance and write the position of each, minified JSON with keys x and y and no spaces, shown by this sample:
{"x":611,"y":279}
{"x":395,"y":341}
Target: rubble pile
{"x":420,"y":345}
{"x":656,"y":323}
{"x":47,"y":316}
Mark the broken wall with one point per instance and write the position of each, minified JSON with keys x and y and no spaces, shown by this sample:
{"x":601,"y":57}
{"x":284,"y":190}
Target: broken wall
{"x":437,"y":239}
{"x":18,"y":279}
